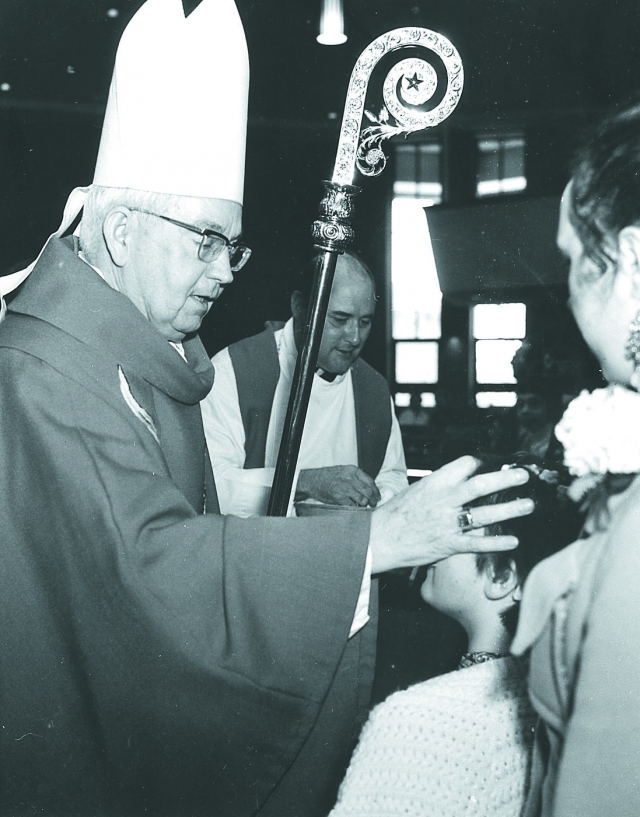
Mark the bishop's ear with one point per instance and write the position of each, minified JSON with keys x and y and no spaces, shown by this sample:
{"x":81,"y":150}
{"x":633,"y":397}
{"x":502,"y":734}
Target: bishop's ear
{"x":502,"y":582}
{"x":117,"y":233}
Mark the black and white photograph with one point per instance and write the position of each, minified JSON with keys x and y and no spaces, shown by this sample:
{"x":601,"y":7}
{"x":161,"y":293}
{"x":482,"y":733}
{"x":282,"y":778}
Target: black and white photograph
{"x":319,"y":338}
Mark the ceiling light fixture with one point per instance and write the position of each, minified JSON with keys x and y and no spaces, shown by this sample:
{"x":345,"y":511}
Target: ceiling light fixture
{"x":331,"y":23}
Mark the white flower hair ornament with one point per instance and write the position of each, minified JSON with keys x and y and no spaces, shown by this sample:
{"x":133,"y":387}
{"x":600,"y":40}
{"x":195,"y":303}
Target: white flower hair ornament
{"x":600,"y":432}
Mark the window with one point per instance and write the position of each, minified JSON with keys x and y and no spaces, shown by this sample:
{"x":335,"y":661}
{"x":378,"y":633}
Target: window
{"x":493,"y":360}
{"x":497,"y":330}
{"x":418,"y":172}
{"x":415,"y":291}
{"x":403,"y":399}
{"x":501,"y":165}
{"x":488,"y":399}
{"x":416,"y":362}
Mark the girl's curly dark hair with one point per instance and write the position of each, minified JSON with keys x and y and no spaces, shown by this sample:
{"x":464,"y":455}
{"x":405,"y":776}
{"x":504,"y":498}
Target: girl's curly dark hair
{"x":554,"y":523}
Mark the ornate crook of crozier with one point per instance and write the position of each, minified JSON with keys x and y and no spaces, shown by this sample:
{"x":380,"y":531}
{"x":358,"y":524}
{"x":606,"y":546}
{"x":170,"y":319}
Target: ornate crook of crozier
{"x":409,"y":91}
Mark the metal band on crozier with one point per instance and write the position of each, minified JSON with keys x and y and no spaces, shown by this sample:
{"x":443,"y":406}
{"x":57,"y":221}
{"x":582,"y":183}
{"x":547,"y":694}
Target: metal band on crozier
{"x":332,"y":231}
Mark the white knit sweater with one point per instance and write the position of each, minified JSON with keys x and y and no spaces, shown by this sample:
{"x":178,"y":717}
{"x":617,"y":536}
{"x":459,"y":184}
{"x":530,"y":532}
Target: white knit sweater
{"x":454,"y":745}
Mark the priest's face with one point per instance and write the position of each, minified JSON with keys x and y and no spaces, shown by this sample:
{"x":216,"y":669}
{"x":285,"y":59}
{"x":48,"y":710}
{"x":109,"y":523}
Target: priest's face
{"x":349,"y":316}
{"x":164,"y":277}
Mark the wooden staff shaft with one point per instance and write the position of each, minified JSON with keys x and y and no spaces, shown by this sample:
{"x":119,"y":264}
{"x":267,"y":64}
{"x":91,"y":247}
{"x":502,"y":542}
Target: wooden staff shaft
{"x":301,"y":387}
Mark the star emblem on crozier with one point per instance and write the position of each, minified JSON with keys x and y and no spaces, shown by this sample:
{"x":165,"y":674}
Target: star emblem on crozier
{"x":413,"y":82}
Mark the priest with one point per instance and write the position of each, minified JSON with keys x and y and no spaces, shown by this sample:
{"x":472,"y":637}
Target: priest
{"x":351,"y":450}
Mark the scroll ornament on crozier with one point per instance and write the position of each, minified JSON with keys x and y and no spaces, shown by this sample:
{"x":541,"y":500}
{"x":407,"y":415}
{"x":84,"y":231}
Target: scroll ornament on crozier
{"x":411,"y":83}
{"x":408,"y":88}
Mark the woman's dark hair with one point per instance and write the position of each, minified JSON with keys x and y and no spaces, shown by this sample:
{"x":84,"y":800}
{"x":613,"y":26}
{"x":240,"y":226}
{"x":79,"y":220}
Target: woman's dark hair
{"x":606,"y":184}
{"x":553,"y":524}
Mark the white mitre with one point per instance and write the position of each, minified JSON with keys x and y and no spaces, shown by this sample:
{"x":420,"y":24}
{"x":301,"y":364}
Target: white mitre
{"x":176,"y":117}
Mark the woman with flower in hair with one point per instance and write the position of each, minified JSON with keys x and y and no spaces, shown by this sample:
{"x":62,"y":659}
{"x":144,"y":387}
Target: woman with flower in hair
{"x":580,"y":617}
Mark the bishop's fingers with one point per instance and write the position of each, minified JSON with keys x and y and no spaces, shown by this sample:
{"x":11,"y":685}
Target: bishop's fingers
{"x":483,"y":484}
{"x":484,"y":515}
{"x":489,"y":544}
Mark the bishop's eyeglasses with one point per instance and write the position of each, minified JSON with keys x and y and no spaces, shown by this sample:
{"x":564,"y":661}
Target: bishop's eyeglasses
{"x":212,"y":243}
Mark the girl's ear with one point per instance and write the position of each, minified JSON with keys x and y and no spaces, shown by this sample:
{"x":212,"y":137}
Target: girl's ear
{"x":499,"y":585}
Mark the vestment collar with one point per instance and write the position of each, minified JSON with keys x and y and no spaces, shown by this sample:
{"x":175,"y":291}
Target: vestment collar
{"x":287,"y":345}
{"x":65,"y":292}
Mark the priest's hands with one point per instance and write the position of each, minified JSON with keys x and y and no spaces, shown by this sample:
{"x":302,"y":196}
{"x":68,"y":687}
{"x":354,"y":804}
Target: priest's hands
{"x":429,"y":521}
{"x":338,"y":485}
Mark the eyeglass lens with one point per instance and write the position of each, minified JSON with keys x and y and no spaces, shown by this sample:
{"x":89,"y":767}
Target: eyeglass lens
{"x":212,"y":246}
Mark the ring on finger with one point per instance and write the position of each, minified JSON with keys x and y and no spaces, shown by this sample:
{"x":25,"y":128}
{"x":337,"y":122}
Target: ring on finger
{"x":465,"y":520}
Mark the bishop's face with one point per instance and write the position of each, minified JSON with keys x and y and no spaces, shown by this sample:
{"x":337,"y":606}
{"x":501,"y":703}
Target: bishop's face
{"x":164,"y":277}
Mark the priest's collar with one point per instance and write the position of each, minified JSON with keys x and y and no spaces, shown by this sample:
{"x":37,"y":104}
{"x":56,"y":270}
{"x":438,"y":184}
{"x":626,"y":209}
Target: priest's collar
{"x":325,"y":375}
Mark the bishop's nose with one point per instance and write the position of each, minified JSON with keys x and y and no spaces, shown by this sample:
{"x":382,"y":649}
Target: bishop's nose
{"x":220,"y":269}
